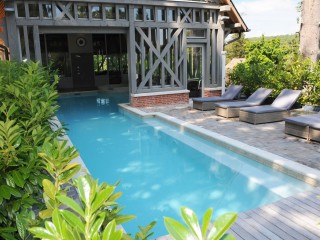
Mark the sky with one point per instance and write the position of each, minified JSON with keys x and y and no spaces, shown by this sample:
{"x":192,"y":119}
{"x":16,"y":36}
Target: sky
{"x":269,"y":17}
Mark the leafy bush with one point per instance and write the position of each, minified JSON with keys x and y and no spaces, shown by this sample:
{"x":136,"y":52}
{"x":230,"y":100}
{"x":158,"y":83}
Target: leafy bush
{"x":216,"y":231}
{"x":277,"y":66}
{"x":27,"y":104}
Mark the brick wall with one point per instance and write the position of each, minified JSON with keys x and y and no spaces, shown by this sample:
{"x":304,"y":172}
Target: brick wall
{"x":211,"y":93}
{"x":157,"y":100}
{"x":2,"y":14}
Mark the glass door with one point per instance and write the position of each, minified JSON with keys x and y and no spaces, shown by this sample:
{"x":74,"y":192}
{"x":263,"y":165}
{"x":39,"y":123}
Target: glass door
{"x":195,"y":69}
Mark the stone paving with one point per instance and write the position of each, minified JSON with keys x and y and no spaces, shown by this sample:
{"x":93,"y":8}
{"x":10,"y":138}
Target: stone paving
{"x":269,"y":137}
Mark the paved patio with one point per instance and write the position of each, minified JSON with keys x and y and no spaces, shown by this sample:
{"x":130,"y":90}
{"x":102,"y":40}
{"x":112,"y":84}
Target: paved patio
{"x":269,"y":137}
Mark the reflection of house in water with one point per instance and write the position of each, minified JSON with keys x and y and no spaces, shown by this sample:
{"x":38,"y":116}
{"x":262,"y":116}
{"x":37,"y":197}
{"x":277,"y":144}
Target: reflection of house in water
{"x":156,"y":48}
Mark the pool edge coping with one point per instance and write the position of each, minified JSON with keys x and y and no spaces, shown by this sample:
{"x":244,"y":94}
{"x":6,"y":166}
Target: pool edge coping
{"x":294,"y":169}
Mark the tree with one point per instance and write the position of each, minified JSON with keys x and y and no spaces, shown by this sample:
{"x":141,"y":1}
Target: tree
{"x":309,"y":31}
{"x":237,"y":48}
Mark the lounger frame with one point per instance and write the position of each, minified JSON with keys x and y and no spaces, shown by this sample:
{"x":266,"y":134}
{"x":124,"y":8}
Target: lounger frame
{"x":314,"y":134}
{"x":203,"y":106}
{"x":257,"y":118}
{"x":297,"y":130}
{"x":227,"y":112}
{"x":306,"y":132}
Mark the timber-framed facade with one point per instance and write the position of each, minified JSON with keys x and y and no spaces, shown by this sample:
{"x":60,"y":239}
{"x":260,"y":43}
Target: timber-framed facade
{"x":160,"y":49}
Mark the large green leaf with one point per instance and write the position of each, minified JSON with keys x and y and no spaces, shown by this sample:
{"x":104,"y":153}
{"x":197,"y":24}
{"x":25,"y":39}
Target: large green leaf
{"x":70,"y":173}
{"x":96,"y":225}
{"x":18,"y":178}
{"x":49,"y":188}
{"x":84,"y":188}
{"x":73,"y":220}
{"x":110,"y":232}
{"x":71,"y":204}
{"x":58,"y":221}
{"x":191,"y":220}
{"x":41,"y":232}
{"x":44,"y":214}
{"x":5,"y":192}
{"x":20,"y":226}
{"x":206,"y":221}
{"x":177,"y":230}
{"x":120,"y":219}
{"x":101,"y":198}
{"x":221,"y":225}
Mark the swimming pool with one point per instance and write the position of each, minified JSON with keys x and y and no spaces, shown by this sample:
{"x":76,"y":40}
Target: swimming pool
{"x":162,"y":168}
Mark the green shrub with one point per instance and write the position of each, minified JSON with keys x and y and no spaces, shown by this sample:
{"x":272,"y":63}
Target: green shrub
{"x":278,"y":66}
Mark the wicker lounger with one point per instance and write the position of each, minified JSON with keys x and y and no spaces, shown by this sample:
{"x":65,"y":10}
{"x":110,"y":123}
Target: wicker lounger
{"x":307,"y":126}
{"x":262,"y":117}
{"x":208,"y":103}
{"x":275,"y":112}
{"x":231,"y":109}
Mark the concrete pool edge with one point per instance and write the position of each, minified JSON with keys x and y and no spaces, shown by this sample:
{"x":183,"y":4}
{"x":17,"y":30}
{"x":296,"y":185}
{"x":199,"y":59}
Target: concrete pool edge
{"x":286,"y":166}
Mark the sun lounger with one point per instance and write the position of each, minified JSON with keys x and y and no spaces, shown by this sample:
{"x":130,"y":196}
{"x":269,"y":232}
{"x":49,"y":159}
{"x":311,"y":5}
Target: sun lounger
{"x":306,"y":126}
{"x":207,"y":103}
{"x":231,"y":109}
{"x":277,"y":111}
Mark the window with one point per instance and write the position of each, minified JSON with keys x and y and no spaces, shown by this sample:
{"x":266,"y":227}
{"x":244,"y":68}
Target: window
{"x":22,"y":43}
{"x":33,"y":10}
{"x":161,"y":14}
{"x":122,"y":13}
{"x":21,"y":10}
{"x":110,"y":12}
{"x":197,"y":16}
{"x":96,"y":12}
{"x":172,"y":15}
{"x":149,"y":14}
{"x":82,"y":11}
{"x":138,"y":14}
{"x":196,"y":33}
{"x":31,"y":43}
{"x":206,"y":16}
{"x":47,"y":10}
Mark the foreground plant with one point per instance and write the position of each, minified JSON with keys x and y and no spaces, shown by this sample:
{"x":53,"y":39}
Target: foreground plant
{"x":89,"y":219}
{"x":207,"y":231}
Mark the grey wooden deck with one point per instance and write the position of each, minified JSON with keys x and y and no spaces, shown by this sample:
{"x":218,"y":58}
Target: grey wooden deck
{"x":295,"y":217}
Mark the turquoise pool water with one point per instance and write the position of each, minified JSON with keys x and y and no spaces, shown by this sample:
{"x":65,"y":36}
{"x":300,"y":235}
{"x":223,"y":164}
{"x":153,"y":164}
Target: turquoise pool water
{"x":162,"y":168}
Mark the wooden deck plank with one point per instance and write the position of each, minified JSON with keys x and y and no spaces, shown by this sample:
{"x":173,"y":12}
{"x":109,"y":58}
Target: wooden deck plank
{"x":293,"y":227}
{"x":256,"y":233}
{"x":296,"y":218}
{"x":276,"y":221}
{"x":259,"y":227}
{"x":269,"y":225}
{"x":304,"y":207}
{"x":242,"y":232}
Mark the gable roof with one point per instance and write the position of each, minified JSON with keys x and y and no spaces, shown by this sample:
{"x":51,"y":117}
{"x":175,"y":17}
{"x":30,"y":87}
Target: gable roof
{"x":235,"y":18}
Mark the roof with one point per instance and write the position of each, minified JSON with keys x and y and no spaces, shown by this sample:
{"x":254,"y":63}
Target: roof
{"x":235,"y":18}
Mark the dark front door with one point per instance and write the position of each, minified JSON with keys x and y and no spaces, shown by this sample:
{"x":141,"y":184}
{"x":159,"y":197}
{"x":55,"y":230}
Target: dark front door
{"x":82,"y":70}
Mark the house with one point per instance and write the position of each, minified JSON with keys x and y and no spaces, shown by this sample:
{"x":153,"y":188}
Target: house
{"x":156,"y":48}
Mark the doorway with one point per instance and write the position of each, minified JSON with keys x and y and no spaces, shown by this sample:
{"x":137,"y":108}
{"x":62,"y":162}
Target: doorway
{"x":195,"y":69}
{"x":82,"y":70}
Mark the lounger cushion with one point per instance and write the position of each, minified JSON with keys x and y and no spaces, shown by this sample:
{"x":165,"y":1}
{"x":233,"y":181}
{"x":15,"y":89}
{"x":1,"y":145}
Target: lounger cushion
{"x":259,"y":96}
{"x":286,"y":98}
{"x":307,"y":120}
{"x":232,"y":92}
{"x":263,"y":109}
{"x":255,"y":99}
{"x":235,"y":104}
{"x":209,"y":99}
